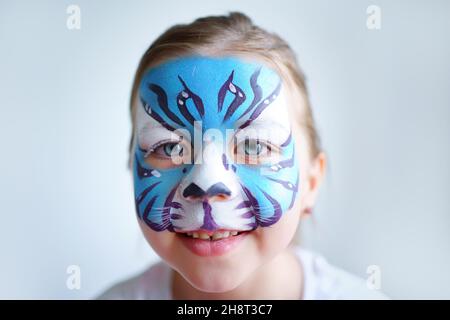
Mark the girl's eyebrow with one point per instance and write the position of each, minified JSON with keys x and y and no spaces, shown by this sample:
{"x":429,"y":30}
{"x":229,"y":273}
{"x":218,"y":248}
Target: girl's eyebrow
{"x":268,"y":124}
{"x":159,"y":132}
{"x":149,"y":127}
{"x":274,"y":131}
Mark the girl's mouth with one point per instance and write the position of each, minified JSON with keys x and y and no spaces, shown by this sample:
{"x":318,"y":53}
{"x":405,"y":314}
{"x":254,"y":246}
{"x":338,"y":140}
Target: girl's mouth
{"x":212,"y":236}
{"x":204,"y":243}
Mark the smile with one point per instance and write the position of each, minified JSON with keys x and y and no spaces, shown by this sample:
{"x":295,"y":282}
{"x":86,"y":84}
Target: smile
{"x":214,"y":236}
{"x":207,"y":243}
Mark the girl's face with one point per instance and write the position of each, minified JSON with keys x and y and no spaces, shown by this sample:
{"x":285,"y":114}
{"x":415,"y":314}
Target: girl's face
{"x":217,"y":168}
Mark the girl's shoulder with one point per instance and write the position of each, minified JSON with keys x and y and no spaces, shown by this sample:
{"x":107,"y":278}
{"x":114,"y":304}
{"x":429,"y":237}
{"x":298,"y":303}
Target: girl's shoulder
{"x":323,"y":281}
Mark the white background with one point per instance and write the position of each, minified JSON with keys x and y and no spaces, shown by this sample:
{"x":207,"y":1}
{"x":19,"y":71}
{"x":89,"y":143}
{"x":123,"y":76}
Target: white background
{"x":381,"y":100}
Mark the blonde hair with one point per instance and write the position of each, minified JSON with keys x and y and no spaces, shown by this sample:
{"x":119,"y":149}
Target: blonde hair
{"x":234,"y":34}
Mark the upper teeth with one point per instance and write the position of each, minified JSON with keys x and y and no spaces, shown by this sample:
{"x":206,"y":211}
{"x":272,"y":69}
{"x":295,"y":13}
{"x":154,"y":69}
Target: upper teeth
{"x":215,"y":236}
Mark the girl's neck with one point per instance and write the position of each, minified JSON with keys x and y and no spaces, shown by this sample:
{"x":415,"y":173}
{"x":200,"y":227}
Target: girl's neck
{"x":280,"y":278}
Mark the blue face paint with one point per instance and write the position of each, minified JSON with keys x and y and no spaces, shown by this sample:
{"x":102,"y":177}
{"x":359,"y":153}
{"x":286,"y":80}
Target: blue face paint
{"x":225,"y":95}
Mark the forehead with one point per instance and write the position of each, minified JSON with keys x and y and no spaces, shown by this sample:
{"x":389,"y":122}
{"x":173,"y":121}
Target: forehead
{"x":217,"y":82}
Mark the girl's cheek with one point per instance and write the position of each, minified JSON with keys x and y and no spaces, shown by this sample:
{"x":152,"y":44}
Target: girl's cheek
{"x":161,"y":242}
{"x":278,"y":236}
{"x":304,"y":163}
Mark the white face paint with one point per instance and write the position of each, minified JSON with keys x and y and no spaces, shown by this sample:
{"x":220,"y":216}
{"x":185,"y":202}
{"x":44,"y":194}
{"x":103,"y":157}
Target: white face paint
{"x":241,"y":173}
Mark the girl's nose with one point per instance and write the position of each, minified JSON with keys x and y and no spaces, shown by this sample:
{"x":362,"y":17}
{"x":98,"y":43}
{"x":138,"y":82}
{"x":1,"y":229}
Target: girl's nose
{"x":216,"y":192}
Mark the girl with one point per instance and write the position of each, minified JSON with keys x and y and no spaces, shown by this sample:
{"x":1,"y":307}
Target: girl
{"x":226,"y":160}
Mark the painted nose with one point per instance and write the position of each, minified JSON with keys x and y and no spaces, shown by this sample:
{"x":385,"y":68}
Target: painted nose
{"x":217,"y":191}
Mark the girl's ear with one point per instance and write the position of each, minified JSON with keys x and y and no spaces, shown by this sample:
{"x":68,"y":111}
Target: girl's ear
{"x":314,"y":180}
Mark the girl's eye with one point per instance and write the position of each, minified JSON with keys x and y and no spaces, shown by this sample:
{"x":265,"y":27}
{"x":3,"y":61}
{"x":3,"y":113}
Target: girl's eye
{"x":253,"y":149}
{"x":168,"y":155}
{"x":171,"y":148}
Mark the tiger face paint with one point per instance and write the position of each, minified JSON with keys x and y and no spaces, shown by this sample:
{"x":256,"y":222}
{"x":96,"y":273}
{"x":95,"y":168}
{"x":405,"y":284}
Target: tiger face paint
{"x":213,"y":147}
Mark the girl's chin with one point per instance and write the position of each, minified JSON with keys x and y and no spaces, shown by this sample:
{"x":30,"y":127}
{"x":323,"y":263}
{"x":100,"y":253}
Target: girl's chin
{"x":217,"y":274}
{"x":218,"y":281}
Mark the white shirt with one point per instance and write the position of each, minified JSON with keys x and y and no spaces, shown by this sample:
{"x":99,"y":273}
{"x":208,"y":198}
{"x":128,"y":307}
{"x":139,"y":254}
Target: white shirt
{"x":321,"y":281}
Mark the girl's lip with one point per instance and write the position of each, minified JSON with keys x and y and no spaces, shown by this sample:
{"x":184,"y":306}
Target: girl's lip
{"x":210,"y":248}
